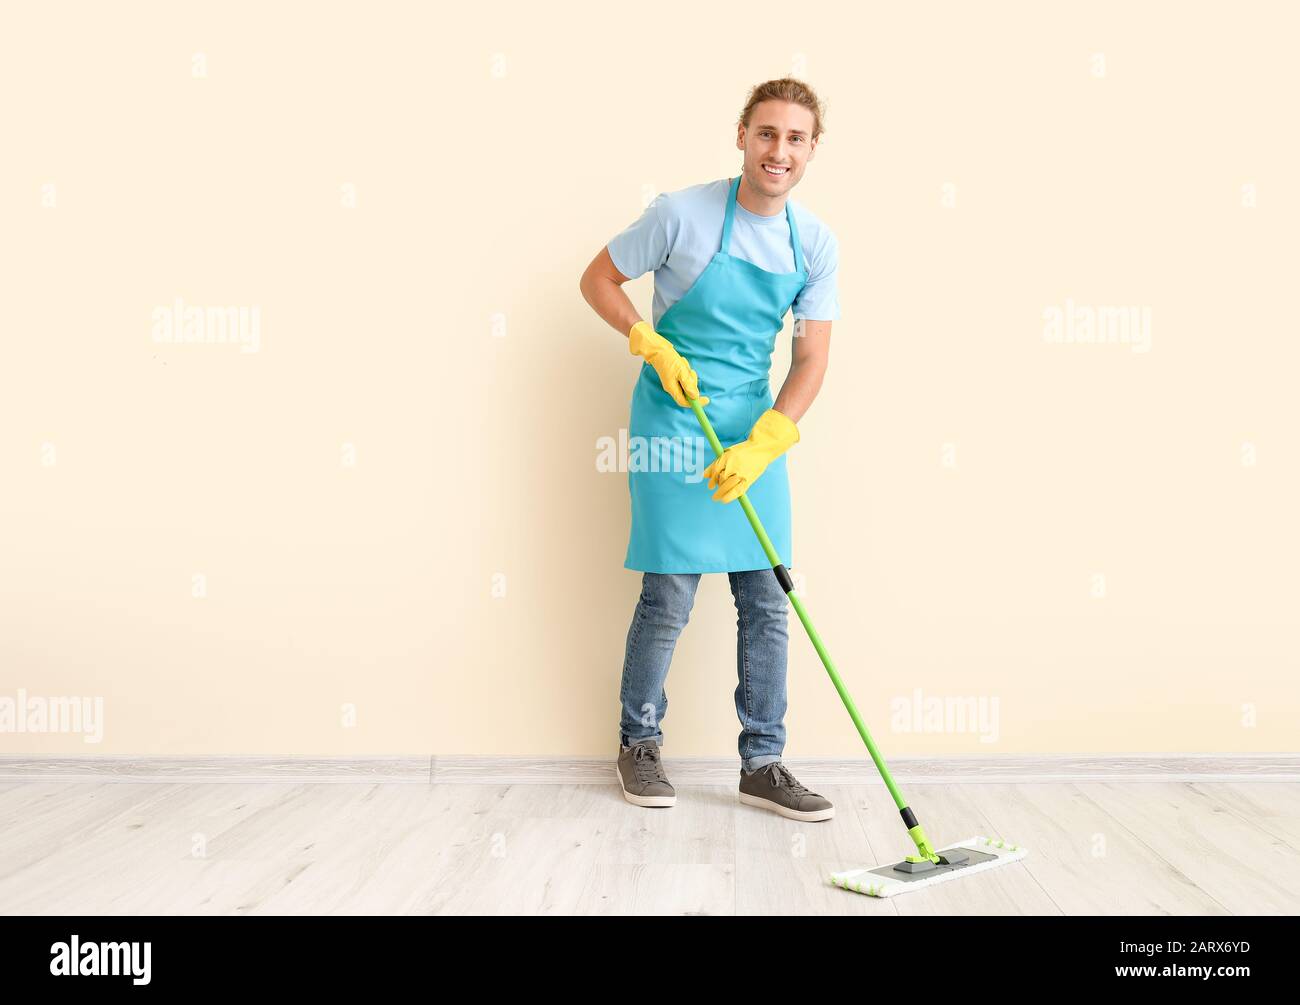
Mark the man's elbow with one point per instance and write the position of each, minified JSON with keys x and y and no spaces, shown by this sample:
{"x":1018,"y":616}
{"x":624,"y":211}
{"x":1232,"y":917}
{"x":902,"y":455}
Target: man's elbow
{"x":585,"y":285}
{"x":589,"y":281}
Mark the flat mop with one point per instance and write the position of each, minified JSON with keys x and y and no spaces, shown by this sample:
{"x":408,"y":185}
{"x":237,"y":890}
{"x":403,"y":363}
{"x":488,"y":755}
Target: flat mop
{"x":928,"y":867}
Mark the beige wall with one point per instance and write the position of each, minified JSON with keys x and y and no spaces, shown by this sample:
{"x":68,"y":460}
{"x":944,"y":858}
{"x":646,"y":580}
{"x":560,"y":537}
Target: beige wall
{"x":1099,"y":543}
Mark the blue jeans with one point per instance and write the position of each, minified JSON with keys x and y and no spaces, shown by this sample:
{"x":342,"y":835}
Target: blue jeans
{"x":761,"y":646}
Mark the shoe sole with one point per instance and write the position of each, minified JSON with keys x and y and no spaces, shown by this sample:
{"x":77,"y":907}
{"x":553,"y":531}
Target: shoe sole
{"x":808,"y":816}
{"x":635,"y":800}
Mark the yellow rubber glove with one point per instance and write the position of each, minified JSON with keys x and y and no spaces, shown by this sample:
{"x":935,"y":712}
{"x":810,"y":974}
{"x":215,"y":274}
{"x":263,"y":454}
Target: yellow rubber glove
{"x":675,"y":374}
{"x":741,"y":464}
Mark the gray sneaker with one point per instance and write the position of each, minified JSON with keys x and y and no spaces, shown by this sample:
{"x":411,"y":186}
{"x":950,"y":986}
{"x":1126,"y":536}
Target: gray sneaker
{"x":773,"y":788}
{"x":641,"y":775}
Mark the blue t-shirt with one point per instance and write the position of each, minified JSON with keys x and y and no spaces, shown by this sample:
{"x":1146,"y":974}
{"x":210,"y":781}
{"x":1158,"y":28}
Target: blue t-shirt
{"x":680,"y":232}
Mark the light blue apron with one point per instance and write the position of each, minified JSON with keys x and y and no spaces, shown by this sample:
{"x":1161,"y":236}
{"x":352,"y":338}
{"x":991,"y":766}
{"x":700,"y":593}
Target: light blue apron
{"x":726,"y":326}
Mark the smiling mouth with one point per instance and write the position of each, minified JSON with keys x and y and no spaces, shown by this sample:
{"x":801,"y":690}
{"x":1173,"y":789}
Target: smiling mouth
{"x":776,"y":172}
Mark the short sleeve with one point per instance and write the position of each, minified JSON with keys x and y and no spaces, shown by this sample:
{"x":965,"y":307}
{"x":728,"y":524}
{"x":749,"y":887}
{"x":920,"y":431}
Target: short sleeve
{"x":819,"y":300}
{"x":643,"y":246}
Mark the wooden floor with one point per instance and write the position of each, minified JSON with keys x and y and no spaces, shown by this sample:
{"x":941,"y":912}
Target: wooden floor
{"x":1095,"y":848}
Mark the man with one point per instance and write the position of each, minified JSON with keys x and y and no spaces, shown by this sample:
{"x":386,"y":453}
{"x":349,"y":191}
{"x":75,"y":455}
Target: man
{"x":730,"y":258}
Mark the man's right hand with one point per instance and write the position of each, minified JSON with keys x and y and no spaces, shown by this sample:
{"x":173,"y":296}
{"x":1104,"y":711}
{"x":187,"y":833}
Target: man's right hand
{"x":675,"y":374}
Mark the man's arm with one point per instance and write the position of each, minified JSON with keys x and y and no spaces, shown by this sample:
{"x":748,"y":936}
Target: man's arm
{"x":809,"y":356}
{"x":602,"y":288}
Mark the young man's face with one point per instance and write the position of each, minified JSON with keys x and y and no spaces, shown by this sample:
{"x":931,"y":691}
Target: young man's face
{"x":779,"y":136}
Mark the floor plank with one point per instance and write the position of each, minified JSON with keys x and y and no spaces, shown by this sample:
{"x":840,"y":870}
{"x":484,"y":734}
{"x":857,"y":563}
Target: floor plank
{"x":372,"y":848}
{"x":1227,"y":855}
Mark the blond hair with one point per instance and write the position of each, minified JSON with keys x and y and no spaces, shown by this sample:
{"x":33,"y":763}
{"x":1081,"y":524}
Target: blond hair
{"x":785,"y":89}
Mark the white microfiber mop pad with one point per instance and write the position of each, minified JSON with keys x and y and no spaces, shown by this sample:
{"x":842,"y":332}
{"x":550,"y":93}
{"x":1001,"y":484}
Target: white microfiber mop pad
{"x":883,"y":881}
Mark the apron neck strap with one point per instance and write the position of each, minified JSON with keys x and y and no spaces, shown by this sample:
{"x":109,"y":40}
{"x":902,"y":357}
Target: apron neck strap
{"x":794,"y":238}
{"x":731,"y":215}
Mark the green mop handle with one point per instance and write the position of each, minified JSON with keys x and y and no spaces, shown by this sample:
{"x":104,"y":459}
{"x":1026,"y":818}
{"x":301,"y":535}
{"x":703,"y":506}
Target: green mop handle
{"x":787,"y":585}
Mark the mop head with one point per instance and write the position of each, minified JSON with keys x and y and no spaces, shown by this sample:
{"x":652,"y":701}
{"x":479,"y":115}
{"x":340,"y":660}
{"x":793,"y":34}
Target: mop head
{"x":967,"y":857}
